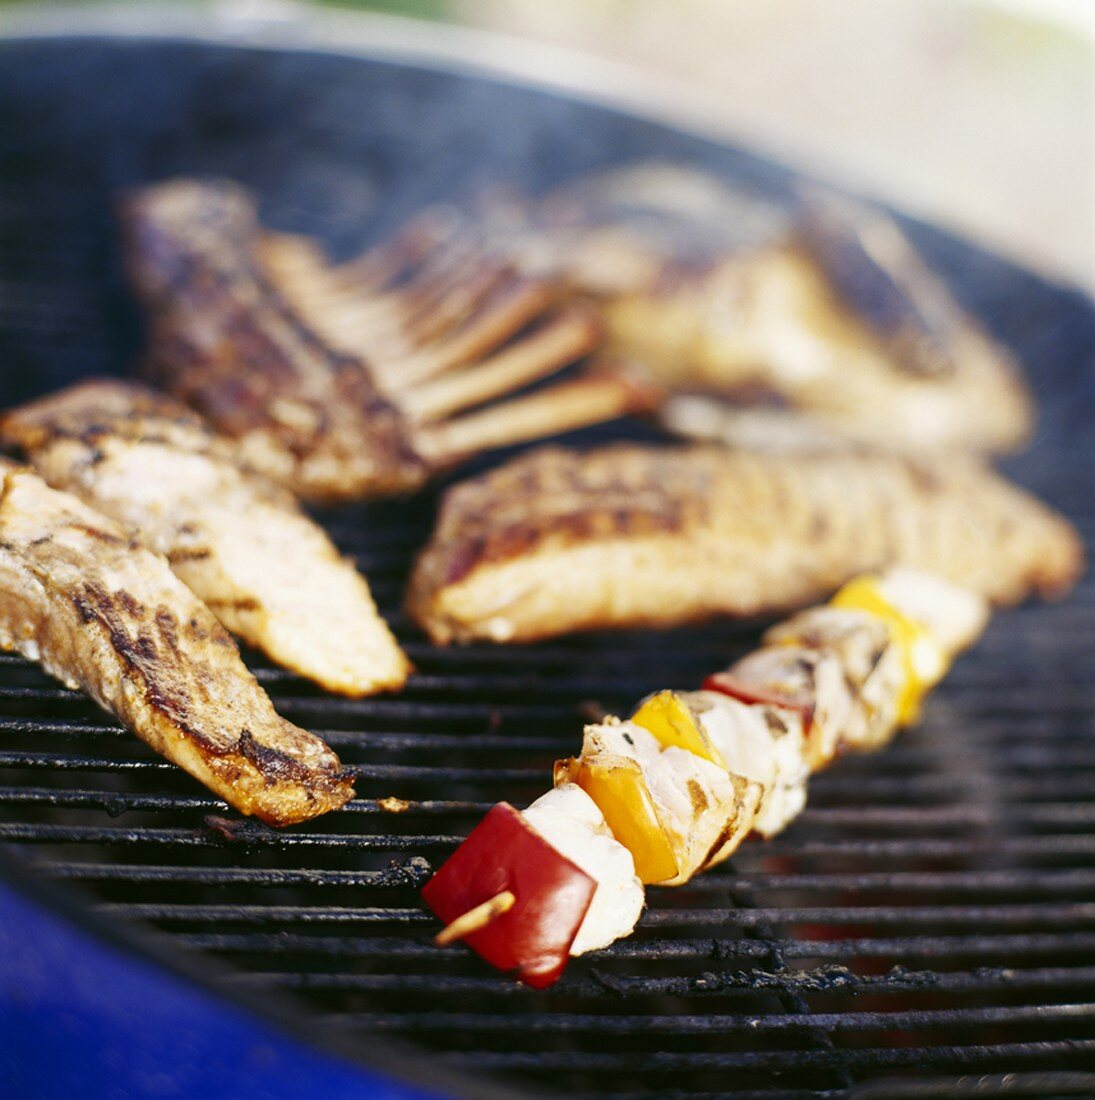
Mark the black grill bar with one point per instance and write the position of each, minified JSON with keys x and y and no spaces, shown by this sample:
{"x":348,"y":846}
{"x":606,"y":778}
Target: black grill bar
{"x":1073,"y":881}
{"x":1050,"y":845}
{"x":1054,"y":1054}
{"x":930,"y":817}
{"x":716,"y":1023}
{"x":411,"y":872}
{"x":1029,"y":915}
{"x":936,"y":948}
{"x":710,"y":984}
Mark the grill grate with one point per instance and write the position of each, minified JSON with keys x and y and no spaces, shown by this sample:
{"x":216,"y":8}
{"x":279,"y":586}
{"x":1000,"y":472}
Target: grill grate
{"x":931,"y":916}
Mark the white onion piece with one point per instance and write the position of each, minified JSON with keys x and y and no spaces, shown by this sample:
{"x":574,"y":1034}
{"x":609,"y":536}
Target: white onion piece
{"x":570,"y":821}
{"x":954,"y":615}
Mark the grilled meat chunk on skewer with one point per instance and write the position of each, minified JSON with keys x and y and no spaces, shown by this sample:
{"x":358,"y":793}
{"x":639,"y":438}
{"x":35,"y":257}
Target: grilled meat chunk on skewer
{"x":556,"y":541}
{"x":102,"y":613}
{"x":238,"y":540}
{"x":763,"y":743}
{"x":697,"y":813}
{"x":229,"y":335}
{"x":529,"y":889}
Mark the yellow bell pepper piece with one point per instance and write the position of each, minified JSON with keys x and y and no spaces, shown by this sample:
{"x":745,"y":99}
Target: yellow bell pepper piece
{"x":924,"y":660}
{"x":669,"y":719}
{"x":617,"y":785}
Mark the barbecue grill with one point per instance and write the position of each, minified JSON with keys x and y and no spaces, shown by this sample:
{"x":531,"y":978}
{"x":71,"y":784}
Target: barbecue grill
{"x":925,"y":929}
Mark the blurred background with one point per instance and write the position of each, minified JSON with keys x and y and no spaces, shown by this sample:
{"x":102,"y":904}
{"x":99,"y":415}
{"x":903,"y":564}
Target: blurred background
{"x":976,"y":114}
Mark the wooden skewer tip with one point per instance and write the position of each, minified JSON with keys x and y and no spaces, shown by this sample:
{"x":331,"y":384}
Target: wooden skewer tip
{"x":476,"y":918}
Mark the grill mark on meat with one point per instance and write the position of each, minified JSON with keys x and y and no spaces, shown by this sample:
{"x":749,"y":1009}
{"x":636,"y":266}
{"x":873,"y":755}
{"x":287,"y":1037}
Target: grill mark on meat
{"x":130,"y":605}
{"x":271,"y":762}
{"x":139,"y":655}
{"x":616,"y":510}
{"x":775,"y":722}
{"x":98,"y":533}
{"x":727,"y":831}
{"x":181,"y":554}
{"x":168,"y":627}
{"x":240,"y":604}
{"x":697,"y":797}
{"x":464,"y":558}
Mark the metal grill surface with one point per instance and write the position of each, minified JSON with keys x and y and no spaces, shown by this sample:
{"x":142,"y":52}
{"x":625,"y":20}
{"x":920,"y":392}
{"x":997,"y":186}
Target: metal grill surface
{"x":925,"y":928}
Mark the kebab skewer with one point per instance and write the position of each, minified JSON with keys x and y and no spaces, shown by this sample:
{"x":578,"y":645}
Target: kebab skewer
{"x":677,"y":787}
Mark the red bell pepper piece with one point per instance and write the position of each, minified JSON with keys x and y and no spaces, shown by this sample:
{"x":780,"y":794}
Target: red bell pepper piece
{"x":729,"y":684}
{"x":503,"y":852}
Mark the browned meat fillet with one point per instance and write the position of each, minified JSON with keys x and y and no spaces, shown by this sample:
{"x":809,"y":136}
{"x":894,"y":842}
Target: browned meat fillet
{"x":101,"y":613}
{"x":239,"y":541}
{"x":640,"y":536}
{"x":768,"y":325}
{"x":824,"y":306}
{"x":268,"y":342}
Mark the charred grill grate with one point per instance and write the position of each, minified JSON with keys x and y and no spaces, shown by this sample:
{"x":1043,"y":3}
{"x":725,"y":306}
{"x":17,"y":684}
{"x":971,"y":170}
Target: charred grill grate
{"x":927,"y":923}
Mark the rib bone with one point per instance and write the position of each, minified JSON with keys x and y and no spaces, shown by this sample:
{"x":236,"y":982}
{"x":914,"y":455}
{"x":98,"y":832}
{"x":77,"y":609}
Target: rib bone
{"x":563,"y":339}
{"x":591,"y":399}
{"x":518,"y":304}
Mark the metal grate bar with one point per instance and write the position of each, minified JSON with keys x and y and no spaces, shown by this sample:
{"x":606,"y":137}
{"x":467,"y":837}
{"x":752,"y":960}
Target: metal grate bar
{"x":1024,"y":881}
{"x":1050,"y":914}
{"x":613,"y":986}
{"x":1053,"y":1053}
{"x":909,"y":947}
{"x":715,"y":1023}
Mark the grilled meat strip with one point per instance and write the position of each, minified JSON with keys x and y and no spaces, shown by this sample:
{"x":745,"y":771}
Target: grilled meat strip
{"x":557,"y":541}
{"x":235,"y":316}
{"x":226,"y":342}
{"x":102,"y":613}
{"x":239,"y":541}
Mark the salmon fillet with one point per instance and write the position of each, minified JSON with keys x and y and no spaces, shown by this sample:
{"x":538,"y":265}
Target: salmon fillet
{"x":103,"y":614}
{"x":237,"y":540}
{"x":629,"y":536}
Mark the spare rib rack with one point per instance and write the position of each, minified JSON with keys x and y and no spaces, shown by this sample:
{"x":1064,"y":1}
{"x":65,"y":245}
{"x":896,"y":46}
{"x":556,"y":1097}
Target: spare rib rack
{"x":927,"y":925}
